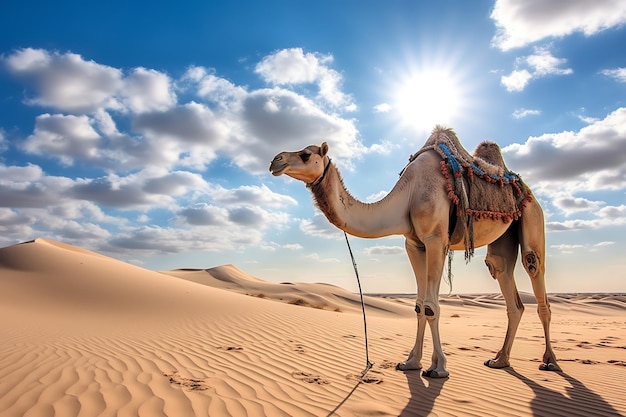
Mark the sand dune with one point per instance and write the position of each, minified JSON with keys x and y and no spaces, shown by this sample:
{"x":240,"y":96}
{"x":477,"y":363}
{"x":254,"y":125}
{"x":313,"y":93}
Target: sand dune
{"x":86,"y":335}
{"x":320,"y":296}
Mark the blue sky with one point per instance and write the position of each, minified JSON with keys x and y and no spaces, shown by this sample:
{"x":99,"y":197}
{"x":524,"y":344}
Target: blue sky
{"x":144,"y":130}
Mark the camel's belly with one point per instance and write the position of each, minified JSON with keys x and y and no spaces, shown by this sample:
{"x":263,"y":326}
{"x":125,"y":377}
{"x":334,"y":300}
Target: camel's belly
{"x":486,"y":231}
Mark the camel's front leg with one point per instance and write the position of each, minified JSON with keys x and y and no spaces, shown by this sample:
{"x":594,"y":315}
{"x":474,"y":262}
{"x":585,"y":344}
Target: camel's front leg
{"x":417,"y":257}
{"x":414,"y":361}
{"x":437,"y":368}
{"x":427,"y":262}
{"x":436,"y":257}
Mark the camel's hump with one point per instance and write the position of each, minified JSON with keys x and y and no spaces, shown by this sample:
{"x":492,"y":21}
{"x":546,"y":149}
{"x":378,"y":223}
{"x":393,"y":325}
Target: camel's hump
{"x":490,"y":152}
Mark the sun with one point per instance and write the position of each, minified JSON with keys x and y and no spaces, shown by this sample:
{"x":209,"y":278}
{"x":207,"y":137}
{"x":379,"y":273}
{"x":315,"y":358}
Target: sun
{"x":425,"y":98}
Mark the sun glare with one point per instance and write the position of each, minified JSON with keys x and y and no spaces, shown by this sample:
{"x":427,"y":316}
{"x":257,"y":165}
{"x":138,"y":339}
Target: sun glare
{"x":426,"y":98}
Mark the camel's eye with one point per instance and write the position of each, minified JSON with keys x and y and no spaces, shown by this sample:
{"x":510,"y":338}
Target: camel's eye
{"x":305,"y":156}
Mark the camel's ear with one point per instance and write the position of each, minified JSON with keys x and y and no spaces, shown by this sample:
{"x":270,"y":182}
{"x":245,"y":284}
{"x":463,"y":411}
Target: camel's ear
{"x":324,"y":149}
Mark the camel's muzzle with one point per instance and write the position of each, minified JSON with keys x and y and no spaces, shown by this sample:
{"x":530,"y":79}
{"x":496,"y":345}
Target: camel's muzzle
{"x":278,"y":166}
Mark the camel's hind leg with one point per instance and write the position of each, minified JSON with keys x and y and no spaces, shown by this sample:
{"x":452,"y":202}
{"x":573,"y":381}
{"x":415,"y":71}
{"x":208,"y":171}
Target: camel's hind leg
{"x":532,"y":240}
{"x":501,"y":258}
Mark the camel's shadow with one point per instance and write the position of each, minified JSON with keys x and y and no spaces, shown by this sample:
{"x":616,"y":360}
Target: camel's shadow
{"x":424,"y":392}
{"x":547,"y":402}
{"x":579,"y":398}
{"x":422,"y":396}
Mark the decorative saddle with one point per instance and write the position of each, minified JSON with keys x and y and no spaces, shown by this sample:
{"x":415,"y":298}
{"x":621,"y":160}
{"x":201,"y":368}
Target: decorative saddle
{"x":479,"y":185}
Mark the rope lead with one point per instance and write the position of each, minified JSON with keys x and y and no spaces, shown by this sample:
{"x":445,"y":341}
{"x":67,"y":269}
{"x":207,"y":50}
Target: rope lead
{"x":368,"y":364}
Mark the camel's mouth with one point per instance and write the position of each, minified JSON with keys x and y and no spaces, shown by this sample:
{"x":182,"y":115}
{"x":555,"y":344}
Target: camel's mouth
{"x":278,"y":170}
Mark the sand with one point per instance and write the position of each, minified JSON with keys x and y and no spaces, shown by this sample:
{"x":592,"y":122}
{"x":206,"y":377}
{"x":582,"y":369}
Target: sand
{"x":86,"y":335}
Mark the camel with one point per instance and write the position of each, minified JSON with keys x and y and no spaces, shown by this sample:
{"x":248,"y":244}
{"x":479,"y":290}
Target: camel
{"x":419,"y":207}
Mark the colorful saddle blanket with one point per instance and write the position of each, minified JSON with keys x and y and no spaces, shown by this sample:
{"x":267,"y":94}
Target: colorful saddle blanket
{"x":479,"y":185}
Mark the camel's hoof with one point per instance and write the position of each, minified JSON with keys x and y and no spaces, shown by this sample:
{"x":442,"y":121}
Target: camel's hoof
{"x":494,"y":364}
{"x":431,"y":373}
{"x":405,"y":366}
{"x":550,"y":367}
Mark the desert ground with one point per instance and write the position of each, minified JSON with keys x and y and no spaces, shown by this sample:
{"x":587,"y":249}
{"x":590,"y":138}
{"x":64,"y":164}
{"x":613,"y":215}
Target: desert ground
{"x":83,"y":334}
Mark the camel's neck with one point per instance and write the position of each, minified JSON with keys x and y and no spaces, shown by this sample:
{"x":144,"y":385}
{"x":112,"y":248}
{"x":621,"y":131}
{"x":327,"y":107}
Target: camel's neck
{"x":389,"y":216}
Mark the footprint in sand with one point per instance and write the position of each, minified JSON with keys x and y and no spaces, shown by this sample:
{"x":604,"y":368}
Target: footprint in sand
{"x":476,"y":348}
{"x":372,"y":377}
{"x":309,"y":378}
{"x":231,"y":348}
{"x":561,"y":348}
{"x":188,"y":384}
{"x":388,"y":364}
{"x":299,"y":348}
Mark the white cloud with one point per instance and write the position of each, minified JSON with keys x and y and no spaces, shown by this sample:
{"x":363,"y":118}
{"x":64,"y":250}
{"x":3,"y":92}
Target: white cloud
{"x":540,"y":64}
{"x":316,"y":257}
{"x":376,"y":196}
{"x":203,"y":214}
{"x":618,"y":74}
{"x":522,"y":22}
{"x":293,"y":246}
{"x":578,"y":224}
{"x":292,"y":122}
{"x":14,"y":223}
{"x":293,"y":66}
{"x":592,"y":158}
{"x":521,"y":113}
{"x":201,"y":226}
{"x":572,"y":248}
{"x":613,"y":212}
{"x":69,"y":83}
{"x":20,"y":174}
{"x":516,"y":80}
{"x":543,"y":63}
{"x":571,"y":205}
{"x":558,"y":166}
{"x":384,"y":148}
{"x":382,"y":108}
{"x":158,"y":240}
{"x":73,"y":231}
{"x":147,"y":90}
{"x":319,"y":226}
{"x":567,"y":248}
{"x":148,"y":144}
{"x":187,"y":134}
{"x":28,"y":186}
{"x":251,"y":195}
{"x":384,"y":250}
{"x":165,"y":133}
{"x":587,"y":119}
{"x":66,"y":137}
{"x":4,"y":144}
{"x":213,"y":88}
{"x":66,"y":81}
{"x":138,"y":190}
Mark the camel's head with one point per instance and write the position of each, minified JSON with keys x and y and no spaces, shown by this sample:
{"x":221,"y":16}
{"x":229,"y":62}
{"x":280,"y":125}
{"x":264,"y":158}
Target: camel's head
{"x":306,"y":165}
